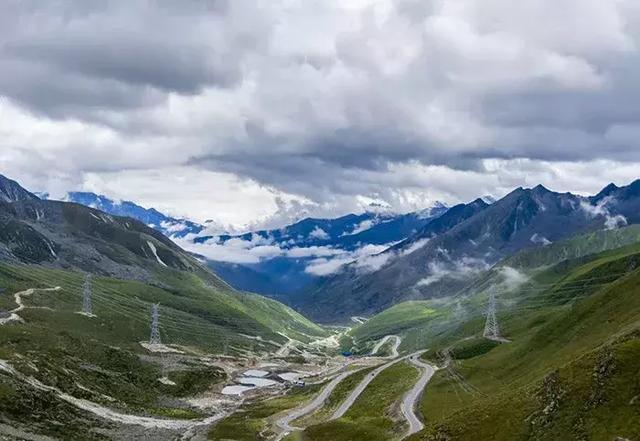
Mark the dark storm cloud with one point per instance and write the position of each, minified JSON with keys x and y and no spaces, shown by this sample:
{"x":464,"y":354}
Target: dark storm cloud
{"x":329,"y":98}
{"x":69,"y":58}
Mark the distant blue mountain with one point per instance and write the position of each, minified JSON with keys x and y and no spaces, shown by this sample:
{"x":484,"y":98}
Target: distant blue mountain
{"x":285,"y":272}
{"x":291,"y":274}
{"x":168,"y":225}
{"x":348,"y":232}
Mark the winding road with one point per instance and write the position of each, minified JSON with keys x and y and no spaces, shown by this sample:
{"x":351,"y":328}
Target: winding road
{"x":394,"y":348}
{"x":284,"y":423}
{"x":346,"y":404}
{"x":408,"y":404}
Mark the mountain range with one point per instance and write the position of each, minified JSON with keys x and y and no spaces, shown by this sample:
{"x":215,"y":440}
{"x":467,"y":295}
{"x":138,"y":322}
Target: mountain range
{"x":360,"y":264}
{"x":559,"y":272}
{"x":467,"y":239}
{"x":283,"y":263}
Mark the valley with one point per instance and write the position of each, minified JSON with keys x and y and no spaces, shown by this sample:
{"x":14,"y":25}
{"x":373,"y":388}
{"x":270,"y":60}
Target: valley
{"x":109,"y":330}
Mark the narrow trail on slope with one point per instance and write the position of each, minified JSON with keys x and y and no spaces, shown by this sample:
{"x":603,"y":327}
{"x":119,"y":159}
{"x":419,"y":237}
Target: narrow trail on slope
{"x":394,"y":348}
{"x":18,"y":299}
{"x":408,"y":404}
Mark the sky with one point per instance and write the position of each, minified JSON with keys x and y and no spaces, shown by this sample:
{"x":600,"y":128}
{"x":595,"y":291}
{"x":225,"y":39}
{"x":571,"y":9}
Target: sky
{"x":260,"y":112}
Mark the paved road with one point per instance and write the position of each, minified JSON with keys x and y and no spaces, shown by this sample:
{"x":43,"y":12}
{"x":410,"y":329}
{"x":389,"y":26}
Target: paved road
{"x":409,"y":401}
{"x":394,"y":348}
{"x":363,"y":385}
{"x":285,"y":422}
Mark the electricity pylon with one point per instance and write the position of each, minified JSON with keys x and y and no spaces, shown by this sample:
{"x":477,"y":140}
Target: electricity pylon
{"x":86,"y":296}
{"x":155,"y":331}
{"x":491,"y":328}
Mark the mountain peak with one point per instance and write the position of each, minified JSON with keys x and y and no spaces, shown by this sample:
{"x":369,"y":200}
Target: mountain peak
{"x":606,"y":191}
{"x":11,"y":191}
{"x":540,"y":189}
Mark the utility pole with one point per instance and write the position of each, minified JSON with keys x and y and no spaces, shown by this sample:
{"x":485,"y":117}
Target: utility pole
{"x":491,"y":328}
{"x":155,"y":331}
{"x":86,"y":296}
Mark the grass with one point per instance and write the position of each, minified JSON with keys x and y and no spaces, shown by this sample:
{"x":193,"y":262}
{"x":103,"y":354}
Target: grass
{"x":372,"y":416}
{"x":473,"y":348}
{"x":251,"y":423}
{"x":593,"y":397}
{"x":339,"y":394}
{"x":564,"y":335}
{"x":413,"y":320}
{"x":100,"y":358}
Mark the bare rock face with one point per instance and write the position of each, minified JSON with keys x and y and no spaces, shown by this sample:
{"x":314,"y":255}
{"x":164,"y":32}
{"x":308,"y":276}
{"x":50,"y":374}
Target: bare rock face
{"x":72,"y":236}
{"x":468,"y":238}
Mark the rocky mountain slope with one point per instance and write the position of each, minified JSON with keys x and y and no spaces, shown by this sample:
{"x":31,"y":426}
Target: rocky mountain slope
{"x":288,"y":270}
{"x":167,"y":225}
{"x":440,"y":261}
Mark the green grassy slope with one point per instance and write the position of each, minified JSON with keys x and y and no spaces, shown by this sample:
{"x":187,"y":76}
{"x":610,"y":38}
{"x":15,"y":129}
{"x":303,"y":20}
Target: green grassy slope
{"x":251,"y":422}
{"x":572,"y":351}
{"x":101,"y":358}
{"x":422,"y":322}
{"x":398,"y":318}
{"x":339,"y":394}
{"x":373,"y":416}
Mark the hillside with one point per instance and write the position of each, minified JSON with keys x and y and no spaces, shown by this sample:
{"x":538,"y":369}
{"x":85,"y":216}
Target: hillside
{"x":167,"y":225}
{"x":287,"y":274}
{"x":420,"y":320}
{"x":569,"y":370}
{"x":53,"y":355}
{"x":439,"y":263}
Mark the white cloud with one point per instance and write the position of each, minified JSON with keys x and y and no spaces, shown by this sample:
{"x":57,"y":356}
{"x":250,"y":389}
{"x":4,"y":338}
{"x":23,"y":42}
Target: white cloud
{"x":438,"y":270}
{"x":324,"y":106}
{"x":325,"y":267}
{"x":318,"y":233}
{"x":611,"y":221}
{"x":233,"y":250}
{"x":539,"y":240}
{"x":512,"y":278}
{"x":366,"y":258}
{"x":314,"y":251}
{"x":359,"y":228}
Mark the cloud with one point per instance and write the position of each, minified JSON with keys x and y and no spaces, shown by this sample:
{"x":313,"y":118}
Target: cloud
{"x":366,"y":258}
{"x":316,"y":107}
{"x":360,"y":227}
{"x":611,"y":221}
{"x":235,"y":250}
{"x":512,"y":278}
{"x":325,"y":267}
{"x":539,"y":240}
{"x":318,"y":233}
{"x":439,"y":269}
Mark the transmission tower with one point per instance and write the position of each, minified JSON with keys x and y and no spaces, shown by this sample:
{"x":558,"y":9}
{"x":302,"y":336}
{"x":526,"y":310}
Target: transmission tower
{"x":155,"y":331}
{"x":86,"y":296}
{"x":491,"y":328}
